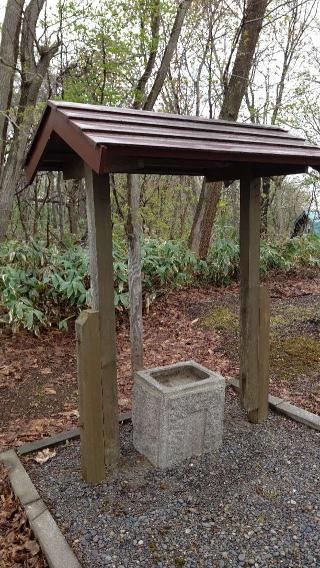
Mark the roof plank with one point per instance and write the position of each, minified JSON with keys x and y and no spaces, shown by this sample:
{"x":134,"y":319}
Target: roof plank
{"x":138,"y":129}
{"x":65,"y":106}
{"x":214,"y":126}
{"x":113,"y":139}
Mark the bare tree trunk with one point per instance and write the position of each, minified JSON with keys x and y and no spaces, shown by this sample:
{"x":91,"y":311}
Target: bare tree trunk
{"x":73,"y":191}
{"x":142,"y":83}
{"x":133,"y":230}
{"x":265,"y":201}
{"x":297,"y":26}
{"x":174,"y":220}
{"x":9,"y":49}
{"x":167,"y":56}
{"x":11,"y":179}
{"x":48,"y":220}
{"x":23,"y":225}
{"x":35,"y":60}
{"x":234,"y":91}
{"x":133,"y":227}
{"x":35,"y":211}
{"x":60,"y":207}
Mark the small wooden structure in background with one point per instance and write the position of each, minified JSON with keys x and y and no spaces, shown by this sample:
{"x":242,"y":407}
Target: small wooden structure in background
{"x":93,"y":141}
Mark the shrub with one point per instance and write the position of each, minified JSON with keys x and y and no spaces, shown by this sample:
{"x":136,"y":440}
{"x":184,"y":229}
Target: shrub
{"x":271,"y":256}
{"x":167,"y":264}
{"x":222,"y":265}
{"x":40,"y":286}
{"x":302,"y":251}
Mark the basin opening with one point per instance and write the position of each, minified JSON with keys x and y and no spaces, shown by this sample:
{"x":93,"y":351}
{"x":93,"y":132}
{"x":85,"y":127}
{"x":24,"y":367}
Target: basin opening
{"x":179,"y":376}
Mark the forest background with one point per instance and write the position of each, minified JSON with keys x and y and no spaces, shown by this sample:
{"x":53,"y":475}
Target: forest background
{"x":256,"y":61}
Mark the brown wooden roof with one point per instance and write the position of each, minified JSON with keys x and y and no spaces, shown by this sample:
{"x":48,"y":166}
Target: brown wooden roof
{"x":125,"y":140}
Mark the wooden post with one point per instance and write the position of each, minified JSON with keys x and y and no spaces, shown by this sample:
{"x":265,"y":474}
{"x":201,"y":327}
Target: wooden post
{"x":90,"y":396}
{"x":250,"y":295}
{"x":101,"y":269}
{"x":264,"y":354}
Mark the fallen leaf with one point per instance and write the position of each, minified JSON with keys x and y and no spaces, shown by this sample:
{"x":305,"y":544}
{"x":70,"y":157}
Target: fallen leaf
{"x":45,"y":371}
{"x":45,"y":455}
{"x":33,"y":547}
{"x":49,"y":390}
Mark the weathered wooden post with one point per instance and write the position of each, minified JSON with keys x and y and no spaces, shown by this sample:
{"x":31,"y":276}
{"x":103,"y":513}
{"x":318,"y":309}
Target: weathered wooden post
{"x":264,"y":354}
{"x":101,"y":269}
{"x":90,"y":396}
{"x":253,"y":347}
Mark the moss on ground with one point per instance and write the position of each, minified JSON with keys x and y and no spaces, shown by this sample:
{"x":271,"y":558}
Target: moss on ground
{"x":284,"y":317}
{"x":295,"y":349}
{"x":298,"y":355}
{"x":221,"y":317}
{"x":278,"y":321}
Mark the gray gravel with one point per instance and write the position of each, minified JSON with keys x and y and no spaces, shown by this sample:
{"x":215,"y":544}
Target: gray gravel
{"x":253,"y":503}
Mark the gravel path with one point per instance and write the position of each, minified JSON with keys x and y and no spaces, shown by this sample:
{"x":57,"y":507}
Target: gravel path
{"x":254,"y":503}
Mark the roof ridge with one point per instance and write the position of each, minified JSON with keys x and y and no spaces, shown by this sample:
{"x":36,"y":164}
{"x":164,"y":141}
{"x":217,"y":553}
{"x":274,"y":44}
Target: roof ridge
{"x":141,"y":112}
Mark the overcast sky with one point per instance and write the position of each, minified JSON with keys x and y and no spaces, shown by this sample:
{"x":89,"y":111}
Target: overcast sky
{"x":4,"y":2}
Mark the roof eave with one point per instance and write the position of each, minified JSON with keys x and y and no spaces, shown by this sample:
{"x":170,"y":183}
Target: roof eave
{"x":38,"y":144}
{"x":53,"y":121}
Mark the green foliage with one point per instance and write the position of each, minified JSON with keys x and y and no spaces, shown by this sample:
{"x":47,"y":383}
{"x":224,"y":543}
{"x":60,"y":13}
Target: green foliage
{"x":167,"y":264}
{"x":302,"y":251}
{"x":42,"y":287}
{"x":222,"y":265}
{"x":292,"y":253}
{"x":271,"y":256}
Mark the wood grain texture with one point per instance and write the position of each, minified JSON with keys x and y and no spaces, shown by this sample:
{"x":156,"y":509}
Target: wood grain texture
{"x":90,"y":397}
{"x":264,"y":354}
{"x":250,"y":291}
{"x":102,"y":286}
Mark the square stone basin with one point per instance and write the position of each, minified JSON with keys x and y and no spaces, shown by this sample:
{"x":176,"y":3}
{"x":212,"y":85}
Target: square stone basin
{"x":177,"y":412}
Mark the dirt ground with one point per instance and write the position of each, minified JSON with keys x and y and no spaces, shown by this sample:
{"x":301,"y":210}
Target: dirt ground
{"x":38,"y":384}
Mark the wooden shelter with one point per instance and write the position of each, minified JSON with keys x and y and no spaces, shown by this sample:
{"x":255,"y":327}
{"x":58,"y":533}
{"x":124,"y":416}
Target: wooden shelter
{"x":93,"y":141}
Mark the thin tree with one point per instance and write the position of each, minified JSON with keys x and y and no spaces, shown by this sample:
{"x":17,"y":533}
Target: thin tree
{"x":146,"y":101}
{"x":298,"y":22}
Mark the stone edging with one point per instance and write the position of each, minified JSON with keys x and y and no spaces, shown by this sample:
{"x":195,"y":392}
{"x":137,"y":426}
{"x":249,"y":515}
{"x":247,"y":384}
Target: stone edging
{"x":59,"y":438}
{"x":294,"y":412}
{"x":278,"y":404}
{"x":53,"y":544}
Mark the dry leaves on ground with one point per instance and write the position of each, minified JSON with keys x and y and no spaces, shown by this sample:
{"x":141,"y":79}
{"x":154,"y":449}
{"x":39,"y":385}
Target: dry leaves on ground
{"x":45,"y":455}
{"x":18,"y":547}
